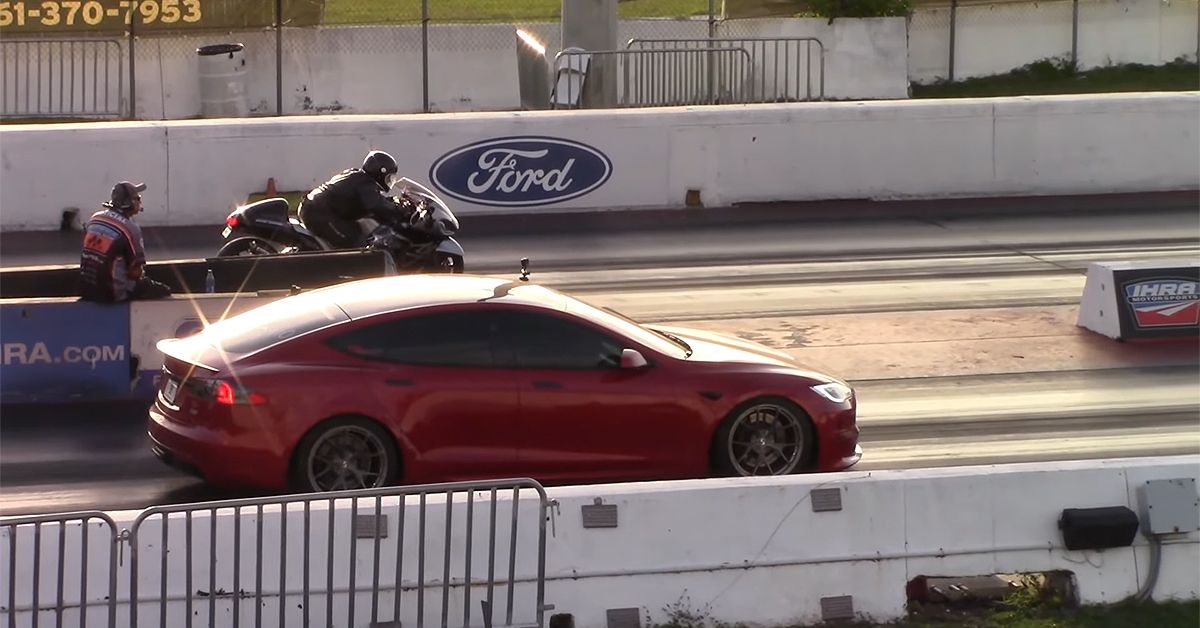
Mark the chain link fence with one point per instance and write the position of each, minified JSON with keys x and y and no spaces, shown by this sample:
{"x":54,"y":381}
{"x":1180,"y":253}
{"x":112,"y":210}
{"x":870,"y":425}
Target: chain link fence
{"x":961,"y":39}
{"x":175,"y":59}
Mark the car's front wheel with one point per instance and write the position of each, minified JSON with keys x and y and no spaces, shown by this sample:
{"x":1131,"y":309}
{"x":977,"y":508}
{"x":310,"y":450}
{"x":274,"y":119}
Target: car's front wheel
{"x":345,"y":453}
{"x":770,"y":436}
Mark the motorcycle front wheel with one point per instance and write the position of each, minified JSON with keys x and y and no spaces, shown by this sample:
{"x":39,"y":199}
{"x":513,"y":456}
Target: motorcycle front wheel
{"x":248,"y":246}
{"x":449,"y":263}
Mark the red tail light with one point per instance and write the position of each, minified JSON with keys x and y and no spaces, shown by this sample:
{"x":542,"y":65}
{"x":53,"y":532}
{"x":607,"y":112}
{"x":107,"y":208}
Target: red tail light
{"x":233,"y":394}
{"x":232,"y":220}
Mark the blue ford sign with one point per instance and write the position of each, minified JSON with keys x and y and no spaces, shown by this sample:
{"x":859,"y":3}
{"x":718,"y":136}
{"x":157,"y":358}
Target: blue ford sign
{"x":521,"y":171}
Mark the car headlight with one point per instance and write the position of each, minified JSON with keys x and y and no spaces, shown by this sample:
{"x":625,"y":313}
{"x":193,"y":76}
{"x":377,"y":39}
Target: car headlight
{"x":835,"y":392}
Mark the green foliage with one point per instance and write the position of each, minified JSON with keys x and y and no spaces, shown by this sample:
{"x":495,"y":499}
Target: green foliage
{"x":1059,"y":76}
{"x":857,"y":8}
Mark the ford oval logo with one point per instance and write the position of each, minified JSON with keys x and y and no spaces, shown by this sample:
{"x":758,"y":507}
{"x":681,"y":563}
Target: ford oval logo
{"x":521,"y":171}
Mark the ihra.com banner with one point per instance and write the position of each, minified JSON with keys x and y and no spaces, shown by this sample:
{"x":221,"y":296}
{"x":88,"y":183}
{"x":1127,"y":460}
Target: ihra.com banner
{"x":20,"y":353}
{"x":64,"y":351}
{"x":108,"y":17}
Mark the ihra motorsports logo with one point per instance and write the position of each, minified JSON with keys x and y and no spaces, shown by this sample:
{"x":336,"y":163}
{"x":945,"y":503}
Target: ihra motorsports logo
{"x":1164,"y":302}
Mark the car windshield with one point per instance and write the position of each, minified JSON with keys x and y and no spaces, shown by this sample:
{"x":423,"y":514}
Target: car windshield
{"x":608,"y":317}
{"x":275,"y":322}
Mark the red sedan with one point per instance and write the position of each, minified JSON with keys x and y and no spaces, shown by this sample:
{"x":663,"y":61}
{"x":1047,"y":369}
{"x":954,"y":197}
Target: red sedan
{"x":419,"y":379}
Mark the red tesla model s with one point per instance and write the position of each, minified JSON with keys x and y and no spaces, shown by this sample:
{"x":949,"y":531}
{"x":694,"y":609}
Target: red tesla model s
{"x":429,"y":378}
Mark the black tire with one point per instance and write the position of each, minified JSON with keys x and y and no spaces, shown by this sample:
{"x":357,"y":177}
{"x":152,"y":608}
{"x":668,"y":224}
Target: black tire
{"x":454,"y":262}
{"x":248,"y":246}
{"x":725,"y":455}
{"x":362,"y":434}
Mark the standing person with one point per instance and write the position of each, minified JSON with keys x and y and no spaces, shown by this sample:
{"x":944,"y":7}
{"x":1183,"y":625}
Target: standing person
{"x":113,"y":262}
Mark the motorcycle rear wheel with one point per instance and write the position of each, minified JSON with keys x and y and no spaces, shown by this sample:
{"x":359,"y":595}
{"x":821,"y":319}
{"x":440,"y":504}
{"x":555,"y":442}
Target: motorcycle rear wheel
{"x":248,"y":246}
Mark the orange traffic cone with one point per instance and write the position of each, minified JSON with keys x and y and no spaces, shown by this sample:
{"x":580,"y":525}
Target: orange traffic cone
{"x":271,"y":191}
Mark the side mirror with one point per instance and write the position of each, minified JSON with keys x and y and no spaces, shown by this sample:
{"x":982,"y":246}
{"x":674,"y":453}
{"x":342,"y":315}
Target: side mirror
{"x":632,"y":359}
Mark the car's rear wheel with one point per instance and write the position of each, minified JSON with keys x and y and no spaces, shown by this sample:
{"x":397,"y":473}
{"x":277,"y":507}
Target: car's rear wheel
{"x":345,"y":453}
{"x":769,"y":436}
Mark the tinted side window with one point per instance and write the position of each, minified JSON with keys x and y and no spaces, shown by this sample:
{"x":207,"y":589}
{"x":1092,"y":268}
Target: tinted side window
{"x":443,"y":339}
{"x":543,"y":341}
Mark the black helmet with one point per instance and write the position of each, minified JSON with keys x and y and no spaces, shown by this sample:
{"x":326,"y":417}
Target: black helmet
{"x":123,"y":195}
{"x":381,"y":166}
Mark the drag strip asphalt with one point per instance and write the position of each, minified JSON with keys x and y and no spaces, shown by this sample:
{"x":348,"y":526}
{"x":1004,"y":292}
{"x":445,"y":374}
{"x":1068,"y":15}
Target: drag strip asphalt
{"x":810,"y":283}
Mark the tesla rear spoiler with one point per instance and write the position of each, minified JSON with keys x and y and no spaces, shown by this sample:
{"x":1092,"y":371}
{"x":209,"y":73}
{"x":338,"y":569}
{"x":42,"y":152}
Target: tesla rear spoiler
{"x":185,"y":351}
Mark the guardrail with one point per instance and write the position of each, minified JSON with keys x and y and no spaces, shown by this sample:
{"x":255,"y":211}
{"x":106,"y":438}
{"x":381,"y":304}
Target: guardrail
{"x":66,"y":600}
{"x":846,"y":543}
{"x":61,"y":77}
{"x":223,"y":585}
{"x":651,"y":78}
{"x":774,"y":63}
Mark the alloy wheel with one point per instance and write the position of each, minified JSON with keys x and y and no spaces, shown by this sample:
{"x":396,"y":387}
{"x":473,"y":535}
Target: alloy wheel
{"x":347,"y":458}
{"x":766,"y":439}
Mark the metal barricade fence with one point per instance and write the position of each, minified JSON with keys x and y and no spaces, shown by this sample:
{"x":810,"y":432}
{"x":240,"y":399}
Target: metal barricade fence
{"x":61,"y":77}
{"x":649,"y":78}
{"x":358,"y":557}
{"x":774,"y":62}
{"x":26,"y":574}
{"x":381,"y":584}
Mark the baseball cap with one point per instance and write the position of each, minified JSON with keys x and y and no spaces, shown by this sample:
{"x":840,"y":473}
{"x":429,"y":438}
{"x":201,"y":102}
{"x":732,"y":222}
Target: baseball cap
{"x":123,"y":194}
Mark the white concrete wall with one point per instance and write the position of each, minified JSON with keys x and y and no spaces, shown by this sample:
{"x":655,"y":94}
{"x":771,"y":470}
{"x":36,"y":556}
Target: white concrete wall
{"x":473,"y":67}
{"x":198,"y":170}
{"x":736,"y":550}
{"x":34,"y":189}
{"x":993,"y":38}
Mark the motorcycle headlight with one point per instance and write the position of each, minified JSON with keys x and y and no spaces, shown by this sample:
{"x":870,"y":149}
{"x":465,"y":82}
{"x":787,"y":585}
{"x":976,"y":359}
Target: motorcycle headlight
{"x":837,"y":393}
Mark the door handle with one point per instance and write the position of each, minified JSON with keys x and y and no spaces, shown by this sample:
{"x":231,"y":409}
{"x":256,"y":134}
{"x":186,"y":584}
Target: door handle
{"x":399,"y":382}
{"x":545,"y":384}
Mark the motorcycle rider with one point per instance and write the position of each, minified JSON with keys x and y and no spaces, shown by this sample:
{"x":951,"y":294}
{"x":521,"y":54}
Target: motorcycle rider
{"x":113,"y":260}
{"x":332,"y":209}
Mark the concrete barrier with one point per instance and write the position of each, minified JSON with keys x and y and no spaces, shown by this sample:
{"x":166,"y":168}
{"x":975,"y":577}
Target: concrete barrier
{"x":59,"y":349}
{"x":1142,"y":300}
{"x":472,"y":67}
{"x":730,"y":154}
{"x":766,"y":551}
{"x":230,"y":274}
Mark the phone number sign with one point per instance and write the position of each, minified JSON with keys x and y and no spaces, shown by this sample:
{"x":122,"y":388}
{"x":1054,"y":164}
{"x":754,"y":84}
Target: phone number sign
{"x":115,"y":16}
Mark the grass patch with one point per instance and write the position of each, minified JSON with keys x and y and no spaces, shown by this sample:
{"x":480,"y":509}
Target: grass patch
{"x":1041,"y":601}
{"x":409,"y":11}
{"x":1174,"y":614}
{"x":1051,"y":76}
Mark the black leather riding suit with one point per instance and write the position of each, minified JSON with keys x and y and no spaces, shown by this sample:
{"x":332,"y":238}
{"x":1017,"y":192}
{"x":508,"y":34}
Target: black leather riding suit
{"x":332,"y":209}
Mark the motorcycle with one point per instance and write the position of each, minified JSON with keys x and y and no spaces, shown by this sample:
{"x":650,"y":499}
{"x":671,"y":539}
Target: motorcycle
{"x":424,"y":242}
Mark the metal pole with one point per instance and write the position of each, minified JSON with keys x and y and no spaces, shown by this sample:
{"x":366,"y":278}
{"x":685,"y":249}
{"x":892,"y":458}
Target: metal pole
{"x":425,"y":55}
{"x":1074,"y":34}
{"x":133,"y":64}
{"x":953,"y":17}
{"x":279,"y":57}
{"x":712,"y":33}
